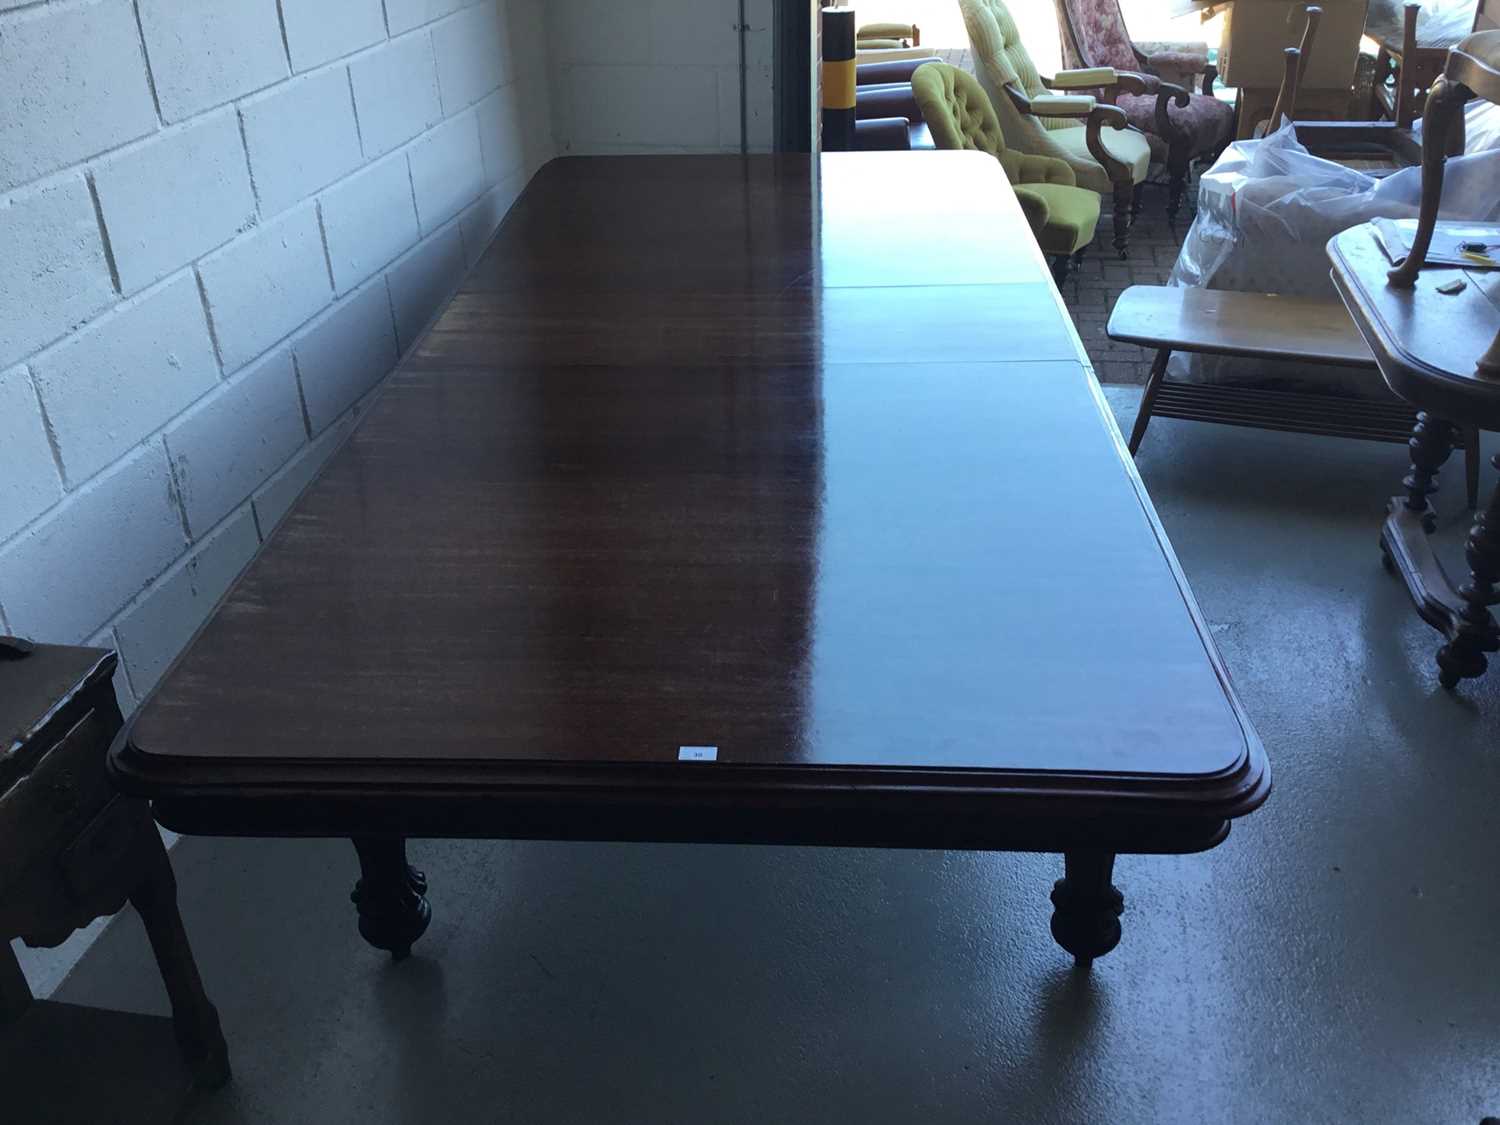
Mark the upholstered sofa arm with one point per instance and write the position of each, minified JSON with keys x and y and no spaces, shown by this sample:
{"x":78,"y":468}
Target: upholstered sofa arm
{"x":883,"y":73}
{"x":885,"y":31}
{"x":895,"y":100}
{"x":1062,"y":105}
{"x":1034,"y":207}
{"x":1034,"y":169}
{"x":883,"y":134}
{"x":1095,"y":114}
{"x":1087,"y":78}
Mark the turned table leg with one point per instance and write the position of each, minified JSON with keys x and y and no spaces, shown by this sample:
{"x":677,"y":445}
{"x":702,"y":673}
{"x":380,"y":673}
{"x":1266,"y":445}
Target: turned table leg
{"x":195,"y":1021}
{"x":390,"y":895}
{"x":1087,"y":906}
{"x":1431,"y":444}
{"x":1475,"y":632}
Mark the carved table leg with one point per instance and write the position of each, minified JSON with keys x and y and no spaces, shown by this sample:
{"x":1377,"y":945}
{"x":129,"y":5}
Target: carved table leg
{"x":390,"y":895}
{"x":1431,"y":444}
{"x":1474,"y":631}
{"x":1087,"y":906}
{"x":195,"y":1020}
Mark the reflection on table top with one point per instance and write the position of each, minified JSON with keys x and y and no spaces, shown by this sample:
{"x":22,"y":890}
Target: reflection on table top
{"x":691,"y":461}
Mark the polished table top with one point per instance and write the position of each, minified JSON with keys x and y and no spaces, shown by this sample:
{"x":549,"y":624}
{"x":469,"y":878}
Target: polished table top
{"x":1427,"y":342}
{"x":705,"y":453}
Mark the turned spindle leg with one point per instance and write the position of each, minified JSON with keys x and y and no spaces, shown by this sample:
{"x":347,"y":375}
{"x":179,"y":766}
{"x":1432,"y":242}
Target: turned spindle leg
{"x":390,"y":895}
{"x":195,"y":1021}
{"x":1431,"y":444}
{"x":1463,"y":657}
{"x":1087,"y":906}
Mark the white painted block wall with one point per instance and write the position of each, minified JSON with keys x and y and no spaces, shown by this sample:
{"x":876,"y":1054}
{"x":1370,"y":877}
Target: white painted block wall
{"x":213,"y":249}
{"x":658,"y":75}
{"x":219,"y":223}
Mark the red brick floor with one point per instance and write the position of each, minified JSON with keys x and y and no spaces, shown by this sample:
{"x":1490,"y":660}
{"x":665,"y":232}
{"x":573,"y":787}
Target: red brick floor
{"x":1092,"y":291}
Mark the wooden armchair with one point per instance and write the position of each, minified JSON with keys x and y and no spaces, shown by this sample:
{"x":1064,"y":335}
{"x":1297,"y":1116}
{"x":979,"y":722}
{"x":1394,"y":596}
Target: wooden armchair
{"x":1411,"y":54}
{"x":1472,"y":71}
{"x":1093,"y":34}
{"x":1060,"y":116}
{"x":1374,"y":147}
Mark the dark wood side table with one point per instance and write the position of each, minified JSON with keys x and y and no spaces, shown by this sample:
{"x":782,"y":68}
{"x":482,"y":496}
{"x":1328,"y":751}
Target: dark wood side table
{"x":1433,"y":331}
{"x":72,"y":849}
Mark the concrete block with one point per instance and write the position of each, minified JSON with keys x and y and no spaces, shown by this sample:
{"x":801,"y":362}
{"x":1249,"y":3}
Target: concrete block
{"x":276,"y":497}
{"x":72,"y":84}
{"x":599,"y":31}
{"x":301,"y":136}
{"x":473,"y":54}
{"x":695,"y":34}
{"x":265,"y":284}
{"x":447,"y":170}
{"x":760,"y":38}
{"x":174,"y":197}
{"x":657,"y":106}
{"x":126,"y":375}
{"x":423,"y":280}
{"x":479,"y":223}
{"x":344,"y":353}
{"x":396,"y":93}
{"x":502,"y":134}
{"x":210,"y":52}
{"x":403,"y":15}
{"x":52,"y":583}
{"x":319,"y":31}
{"x":53,"y":272}
{"x":368,"y":219}
{"x":29,"y":482}
{"x":158,"y":626}
{"x":229,"y":444}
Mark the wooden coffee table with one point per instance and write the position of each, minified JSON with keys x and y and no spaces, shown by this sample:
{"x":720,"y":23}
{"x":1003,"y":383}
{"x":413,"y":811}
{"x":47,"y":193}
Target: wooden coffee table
{"x":704,"y":514}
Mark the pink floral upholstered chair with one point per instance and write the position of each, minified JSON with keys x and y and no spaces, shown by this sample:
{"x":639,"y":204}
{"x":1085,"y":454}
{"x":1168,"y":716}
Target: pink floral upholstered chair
{"x":1093,"y":35}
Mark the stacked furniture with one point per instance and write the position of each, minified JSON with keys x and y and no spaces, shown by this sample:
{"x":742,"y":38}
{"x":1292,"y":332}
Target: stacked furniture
{"x":1063,"y":216}
{"x":1059,"y":117}
{"x":1436,"y":338}
{"x":1412,"y":49}
{"x":1197,"y":125}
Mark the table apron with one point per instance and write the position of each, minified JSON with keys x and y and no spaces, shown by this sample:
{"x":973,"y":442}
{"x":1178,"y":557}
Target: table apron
{"x":491,"y":818}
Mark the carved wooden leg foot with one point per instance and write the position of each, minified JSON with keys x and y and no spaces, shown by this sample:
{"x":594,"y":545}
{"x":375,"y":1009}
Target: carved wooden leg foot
{"x":195,"y":1021}
{"x":1087,"y":906}
{"x":1475,"y":632}
{"x":1122,"y":197}
{"x":390,"y":895}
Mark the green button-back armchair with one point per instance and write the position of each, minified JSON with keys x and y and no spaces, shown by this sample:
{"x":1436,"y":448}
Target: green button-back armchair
{"x":1062,"y":215}
{"x":1070,"y":127}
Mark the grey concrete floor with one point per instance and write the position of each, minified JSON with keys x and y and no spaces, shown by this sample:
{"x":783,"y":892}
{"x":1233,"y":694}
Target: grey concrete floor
{"x":1334,"y":960}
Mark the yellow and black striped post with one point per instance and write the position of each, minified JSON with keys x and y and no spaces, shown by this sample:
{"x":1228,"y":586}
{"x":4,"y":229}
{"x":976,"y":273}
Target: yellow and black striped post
{"x":838,"y":79}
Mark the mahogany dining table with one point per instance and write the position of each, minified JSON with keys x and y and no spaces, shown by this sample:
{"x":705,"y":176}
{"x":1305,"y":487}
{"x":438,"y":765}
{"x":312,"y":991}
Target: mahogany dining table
{"x":763,"y":499}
